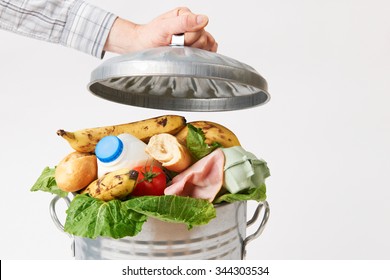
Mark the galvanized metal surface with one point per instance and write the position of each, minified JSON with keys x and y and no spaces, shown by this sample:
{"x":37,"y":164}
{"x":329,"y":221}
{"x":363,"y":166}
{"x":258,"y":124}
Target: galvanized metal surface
{"x":224,"y":238}
{"x":179,"y":78}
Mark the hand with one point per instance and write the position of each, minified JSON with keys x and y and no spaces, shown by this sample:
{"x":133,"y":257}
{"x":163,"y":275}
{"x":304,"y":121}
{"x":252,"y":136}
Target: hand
{"x":126,"y":36}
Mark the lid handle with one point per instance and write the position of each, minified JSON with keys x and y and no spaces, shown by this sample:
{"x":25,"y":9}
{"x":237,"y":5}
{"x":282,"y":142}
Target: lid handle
{"x":177,"y":40}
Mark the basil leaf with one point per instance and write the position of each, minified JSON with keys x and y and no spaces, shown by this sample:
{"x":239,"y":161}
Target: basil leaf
{"x":196,"y":143}
{"x":47,"y":183}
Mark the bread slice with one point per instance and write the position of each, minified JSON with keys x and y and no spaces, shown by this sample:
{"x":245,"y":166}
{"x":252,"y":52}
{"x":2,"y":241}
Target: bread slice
{"x":169,"y":152}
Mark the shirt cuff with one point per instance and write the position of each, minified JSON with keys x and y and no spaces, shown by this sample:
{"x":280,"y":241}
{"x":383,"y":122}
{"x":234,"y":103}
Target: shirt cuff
{"x":87,"y":28}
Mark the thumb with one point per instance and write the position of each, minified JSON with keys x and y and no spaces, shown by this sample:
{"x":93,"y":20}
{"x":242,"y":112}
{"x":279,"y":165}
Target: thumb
{"x":185,"y":23}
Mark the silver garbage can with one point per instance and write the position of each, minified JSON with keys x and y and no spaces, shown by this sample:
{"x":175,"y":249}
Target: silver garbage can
{"x":182,"y":79}
{"x":223,"y":238}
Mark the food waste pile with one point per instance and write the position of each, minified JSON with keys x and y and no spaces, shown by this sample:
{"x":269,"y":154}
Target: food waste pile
{"x":164,"y":167}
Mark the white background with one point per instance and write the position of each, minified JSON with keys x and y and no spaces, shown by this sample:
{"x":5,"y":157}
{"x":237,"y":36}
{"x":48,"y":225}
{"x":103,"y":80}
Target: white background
{"x":325,"y":133}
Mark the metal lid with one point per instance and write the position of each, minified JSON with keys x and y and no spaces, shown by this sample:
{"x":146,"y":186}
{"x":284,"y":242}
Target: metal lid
{"x":179,"y":78}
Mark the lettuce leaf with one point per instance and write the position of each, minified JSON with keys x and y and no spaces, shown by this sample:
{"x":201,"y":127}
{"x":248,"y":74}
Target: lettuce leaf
{"x":90,"y":217}
{"x":258,"y":194}
{"x":196,"y":143}
{"x":175,"y":209}
{"x":47,"y":183}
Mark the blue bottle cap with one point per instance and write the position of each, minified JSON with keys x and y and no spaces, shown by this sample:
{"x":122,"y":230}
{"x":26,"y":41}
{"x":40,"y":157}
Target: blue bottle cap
{"x":109,"y":148}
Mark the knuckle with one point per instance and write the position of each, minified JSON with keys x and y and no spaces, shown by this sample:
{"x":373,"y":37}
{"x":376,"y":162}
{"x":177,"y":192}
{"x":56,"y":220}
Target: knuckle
{"x":203,"y":41}
{"x":182,"y":10}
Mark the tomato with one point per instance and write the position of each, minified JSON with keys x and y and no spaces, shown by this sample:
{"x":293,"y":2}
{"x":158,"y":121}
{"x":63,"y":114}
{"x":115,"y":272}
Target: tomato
{"x":151,"y":181}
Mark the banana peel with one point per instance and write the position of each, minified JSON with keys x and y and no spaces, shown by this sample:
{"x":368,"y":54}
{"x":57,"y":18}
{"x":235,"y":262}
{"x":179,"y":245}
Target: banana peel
{"x":85,"y":140}
{"x":113,"y":185}
{"x":213,"y":132}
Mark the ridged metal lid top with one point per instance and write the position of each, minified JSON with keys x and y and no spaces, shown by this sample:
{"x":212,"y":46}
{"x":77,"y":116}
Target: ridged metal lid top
{"x":179,"y":78}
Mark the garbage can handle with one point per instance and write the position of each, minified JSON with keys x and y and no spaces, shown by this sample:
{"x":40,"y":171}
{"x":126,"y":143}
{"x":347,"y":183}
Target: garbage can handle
{"x":57,"y":222}
{"x":261,"y":227}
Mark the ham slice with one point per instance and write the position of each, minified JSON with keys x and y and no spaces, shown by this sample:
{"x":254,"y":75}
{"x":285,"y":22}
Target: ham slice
{"x":202,"y":180}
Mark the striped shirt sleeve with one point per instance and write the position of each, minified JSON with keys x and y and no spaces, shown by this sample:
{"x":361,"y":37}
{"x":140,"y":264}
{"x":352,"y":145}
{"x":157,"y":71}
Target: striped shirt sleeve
{"x":72,"y":23}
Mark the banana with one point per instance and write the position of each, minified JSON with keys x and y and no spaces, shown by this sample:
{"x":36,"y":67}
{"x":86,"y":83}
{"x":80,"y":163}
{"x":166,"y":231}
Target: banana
{"x":85,"y":140}
{"x":213,"y":132}
{"x":116,"y":184}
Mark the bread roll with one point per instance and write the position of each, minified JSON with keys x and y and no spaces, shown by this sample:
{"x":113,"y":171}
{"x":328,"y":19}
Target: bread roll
{"x":169,"y":152}
{"x":76,"y":171}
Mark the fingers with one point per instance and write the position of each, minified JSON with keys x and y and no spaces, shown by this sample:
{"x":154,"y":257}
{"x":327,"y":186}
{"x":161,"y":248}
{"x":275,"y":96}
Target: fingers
{"x":182,"y":20}
{"x":184,"y":23}
{"x":174,"y":13}
{"x":201,"y":40}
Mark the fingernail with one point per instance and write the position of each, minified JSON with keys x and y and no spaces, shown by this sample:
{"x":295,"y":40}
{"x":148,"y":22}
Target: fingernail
{"x":201,"y":19}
